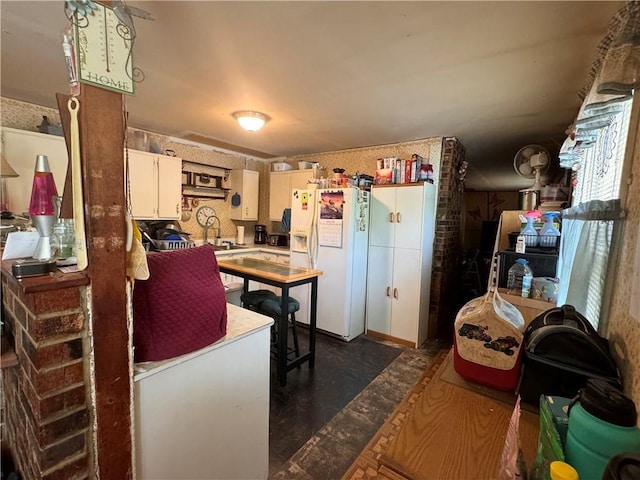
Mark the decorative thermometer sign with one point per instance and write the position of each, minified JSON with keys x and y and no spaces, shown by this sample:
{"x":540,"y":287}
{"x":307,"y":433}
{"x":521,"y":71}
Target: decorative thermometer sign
{"x":104,"y":50}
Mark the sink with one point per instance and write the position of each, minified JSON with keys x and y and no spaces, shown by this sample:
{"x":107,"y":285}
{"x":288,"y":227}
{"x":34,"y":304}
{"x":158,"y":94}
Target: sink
{"x":222,"y":248}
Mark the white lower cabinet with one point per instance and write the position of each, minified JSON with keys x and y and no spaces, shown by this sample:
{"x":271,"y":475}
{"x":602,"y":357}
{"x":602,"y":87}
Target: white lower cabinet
{"x":227,"y":278}
{"x":393,"y":292}
{"x":206,"y":414}
{"x":272,"y":257}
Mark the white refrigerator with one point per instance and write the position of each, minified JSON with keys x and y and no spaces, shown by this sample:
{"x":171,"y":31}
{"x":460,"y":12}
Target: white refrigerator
{"x":330,"y":232}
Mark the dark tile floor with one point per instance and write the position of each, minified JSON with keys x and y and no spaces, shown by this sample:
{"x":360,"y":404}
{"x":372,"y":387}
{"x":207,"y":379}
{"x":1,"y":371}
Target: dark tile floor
{"x":321,"y":420}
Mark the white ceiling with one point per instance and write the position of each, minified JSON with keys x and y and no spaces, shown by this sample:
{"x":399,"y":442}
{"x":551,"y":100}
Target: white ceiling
{"x":336,"y":75}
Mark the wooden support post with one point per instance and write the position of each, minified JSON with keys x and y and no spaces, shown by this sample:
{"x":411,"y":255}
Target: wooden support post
{"x":101,"y":136}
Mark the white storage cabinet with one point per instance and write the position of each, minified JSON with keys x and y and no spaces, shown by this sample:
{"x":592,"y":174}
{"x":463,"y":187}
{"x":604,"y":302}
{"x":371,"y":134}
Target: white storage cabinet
{"x":245,"y":183}
{"x":401,"y":236}
{"x":155,"y":182}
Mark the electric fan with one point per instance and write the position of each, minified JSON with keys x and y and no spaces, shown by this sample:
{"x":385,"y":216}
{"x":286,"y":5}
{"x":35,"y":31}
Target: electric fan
{"x":532,"y":161}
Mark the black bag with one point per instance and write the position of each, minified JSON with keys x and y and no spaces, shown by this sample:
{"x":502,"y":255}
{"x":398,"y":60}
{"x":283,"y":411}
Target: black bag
{"x":562,"y":351}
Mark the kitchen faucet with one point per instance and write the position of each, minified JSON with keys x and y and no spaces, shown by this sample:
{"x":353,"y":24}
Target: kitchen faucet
{"x":206,"y":229}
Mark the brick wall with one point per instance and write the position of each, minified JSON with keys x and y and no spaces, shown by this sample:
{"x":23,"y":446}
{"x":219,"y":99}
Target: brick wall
{"x":47,"y":415}
{"x":447,"y":250}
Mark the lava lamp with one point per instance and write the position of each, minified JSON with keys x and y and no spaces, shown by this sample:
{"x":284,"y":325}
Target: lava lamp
{"x":41,"y":209}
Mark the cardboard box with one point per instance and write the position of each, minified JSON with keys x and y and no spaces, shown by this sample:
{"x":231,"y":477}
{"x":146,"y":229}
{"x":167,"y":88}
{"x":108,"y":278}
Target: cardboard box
{"x":384,"y":176}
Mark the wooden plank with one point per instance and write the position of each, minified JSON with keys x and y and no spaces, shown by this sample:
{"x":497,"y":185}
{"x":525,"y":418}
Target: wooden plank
{"x":102,"y":133}
{"x":456,"y":434}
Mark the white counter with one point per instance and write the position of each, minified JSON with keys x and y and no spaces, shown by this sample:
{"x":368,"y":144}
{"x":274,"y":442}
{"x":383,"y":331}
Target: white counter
{"x":206,"y":414}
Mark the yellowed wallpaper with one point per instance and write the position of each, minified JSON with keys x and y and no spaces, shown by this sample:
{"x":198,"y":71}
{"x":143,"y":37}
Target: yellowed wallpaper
{"x":363,"y":160}
{"x":25,"y":116}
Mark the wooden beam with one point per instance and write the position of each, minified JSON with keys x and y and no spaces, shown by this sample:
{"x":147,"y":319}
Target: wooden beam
{"x":101,"y":138}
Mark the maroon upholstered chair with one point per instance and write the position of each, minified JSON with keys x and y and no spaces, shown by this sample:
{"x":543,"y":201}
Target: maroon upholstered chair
{"x":181,"y":308}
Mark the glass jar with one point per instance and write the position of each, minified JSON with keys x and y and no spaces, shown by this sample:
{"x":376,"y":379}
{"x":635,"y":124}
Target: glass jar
{"x":64,"y":238}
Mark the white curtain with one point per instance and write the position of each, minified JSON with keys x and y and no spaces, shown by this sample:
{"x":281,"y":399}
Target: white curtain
{"x":584,"y":253}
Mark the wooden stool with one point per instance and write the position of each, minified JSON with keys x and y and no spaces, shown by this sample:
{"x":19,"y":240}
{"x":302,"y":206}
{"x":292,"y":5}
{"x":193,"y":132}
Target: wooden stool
{"x":271,"y":307}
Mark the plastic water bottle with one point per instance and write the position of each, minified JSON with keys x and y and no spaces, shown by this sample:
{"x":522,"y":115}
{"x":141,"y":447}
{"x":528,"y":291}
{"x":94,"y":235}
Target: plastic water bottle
{"x":519,"y":278}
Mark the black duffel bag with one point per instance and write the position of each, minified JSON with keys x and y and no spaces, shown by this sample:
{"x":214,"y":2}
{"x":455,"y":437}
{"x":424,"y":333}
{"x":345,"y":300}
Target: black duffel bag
{"x":562,"y":351}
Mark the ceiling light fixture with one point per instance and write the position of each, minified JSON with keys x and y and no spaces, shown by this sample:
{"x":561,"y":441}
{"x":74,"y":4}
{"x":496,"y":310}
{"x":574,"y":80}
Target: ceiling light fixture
{"x":250,"y":121}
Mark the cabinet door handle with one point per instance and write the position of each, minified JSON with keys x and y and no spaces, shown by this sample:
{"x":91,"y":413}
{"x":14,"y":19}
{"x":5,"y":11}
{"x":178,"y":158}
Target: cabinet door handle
{"x":388,"y":291}
{"x":395,"y":293}
{"x":177,"y":208}
{"x":391,"y":217}
{"x":397,"y":217}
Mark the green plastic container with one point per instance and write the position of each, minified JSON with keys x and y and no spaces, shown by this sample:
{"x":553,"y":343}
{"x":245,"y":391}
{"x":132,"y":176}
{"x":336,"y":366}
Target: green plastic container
{"x":594,"y":438}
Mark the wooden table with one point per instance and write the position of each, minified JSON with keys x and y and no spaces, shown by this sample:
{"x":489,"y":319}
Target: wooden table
{"x":284,"y":277}
{"x":455,"y":433}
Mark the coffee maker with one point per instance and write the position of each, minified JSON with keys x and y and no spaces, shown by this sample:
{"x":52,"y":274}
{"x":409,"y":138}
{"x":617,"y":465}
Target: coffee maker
{"x":260,"y":236}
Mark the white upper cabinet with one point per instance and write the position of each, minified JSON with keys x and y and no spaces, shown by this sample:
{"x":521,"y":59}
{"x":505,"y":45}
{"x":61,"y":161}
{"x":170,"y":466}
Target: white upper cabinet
{"x":397,"y":216}
{"x":281,"y":184}
{"x":155,"y":183}
{"x":244,"y":190}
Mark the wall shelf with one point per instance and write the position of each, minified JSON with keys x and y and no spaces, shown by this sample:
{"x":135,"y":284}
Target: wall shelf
{"x":204,"y":192}
{"x":203,"y":180}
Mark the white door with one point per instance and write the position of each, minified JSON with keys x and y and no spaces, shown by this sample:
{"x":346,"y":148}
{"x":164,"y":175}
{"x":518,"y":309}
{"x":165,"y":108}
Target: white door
{"x":405,"y":310}
{"x":409,"y":216}
{"x":143,"y":185}
{"x":379,"y":289}
{"x":382,"y":216}
{"x":169,"y":187}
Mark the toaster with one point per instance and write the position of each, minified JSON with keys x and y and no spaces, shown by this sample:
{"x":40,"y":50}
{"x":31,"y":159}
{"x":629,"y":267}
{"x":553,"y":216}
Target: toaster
{"x":278,"y":240}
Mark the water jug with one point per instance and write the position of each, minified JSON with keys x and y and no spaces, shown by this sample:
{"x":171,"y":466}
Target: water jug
{"x":602,"y":424}
{"x":519,"y":278}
